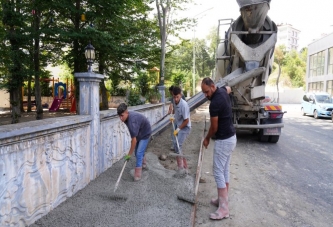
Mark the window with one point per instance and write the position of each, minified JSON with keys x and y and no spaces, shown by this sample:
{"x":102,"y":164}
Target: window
{"x":316,"y":86}
{"x":320,"y":63}
{"x":317,"y":64}
{"x":329,"y":88}
{"x":330,"y":61}
{"x":313,"y":65}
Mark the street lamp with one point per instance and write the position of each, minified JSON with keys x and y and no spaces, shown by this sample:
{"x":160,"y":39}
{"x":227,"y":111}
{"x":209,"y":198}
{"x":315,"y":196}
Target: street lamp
{"x":90,"y":55}
{"x":193,"y":73}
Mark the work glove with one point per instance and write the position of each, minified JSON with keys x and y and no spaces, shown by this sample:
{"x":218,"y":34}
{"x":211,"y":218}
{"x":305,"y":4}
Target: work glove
{"x":172,"y":117}
{"x":127,"y":157}
{"x":176,"y":131}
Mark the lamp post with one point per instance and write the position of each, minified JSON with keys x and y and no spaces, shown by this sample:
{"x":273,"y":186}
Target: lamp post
{"x":193,"y":73}
{"x":90,"y":55}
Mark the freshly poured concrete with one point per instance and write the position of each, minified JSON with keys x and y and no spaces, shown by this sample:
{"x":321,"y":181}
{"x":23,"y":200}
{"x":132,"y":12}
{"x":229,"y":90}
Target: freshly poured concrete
{"x":150,"y":202}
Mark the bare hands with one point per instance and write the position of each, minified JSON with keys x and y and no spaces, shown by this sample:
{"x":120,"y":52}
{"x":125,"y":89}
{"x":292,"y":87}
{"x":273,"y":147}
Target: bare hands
{"x":206,"y":142}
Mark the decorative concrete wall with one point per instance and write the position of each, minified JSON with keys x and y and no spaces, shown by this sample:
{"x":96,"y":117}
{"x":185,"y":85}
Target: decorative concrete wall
{"x":44,"y":162}
{"x":41,"y":164}
{"x":112,"y":129}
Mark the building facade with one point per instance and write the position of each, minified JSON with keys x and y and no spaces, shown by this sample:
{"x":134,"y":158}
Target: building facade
{"x":288,"y":36}
{"x":319,"y":68}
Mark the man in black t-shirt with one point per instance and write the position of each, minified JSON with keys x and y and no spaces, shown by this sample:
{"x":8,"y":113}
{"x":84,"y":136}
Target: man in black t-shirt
{"x":221,"y":126}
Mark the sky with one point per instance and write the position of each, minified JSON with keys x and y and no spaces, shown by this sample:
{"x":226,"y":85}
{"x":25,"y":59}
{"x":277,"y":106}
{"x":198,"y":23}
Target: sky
{"x":312,"y":18}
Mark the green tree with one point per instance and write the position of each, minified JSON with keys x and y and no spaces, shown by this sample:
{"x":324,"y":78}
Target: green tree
{"x":181,"y":58}
{"x":204,"y":61}
{"x":295,"y":67}
{"x":129,"y":38}
{"x":290,"y":66}
{"x":279,"y":55}
{"x":169,"y":25}
{"x":15,"y":34}
{"x":56,"y":32}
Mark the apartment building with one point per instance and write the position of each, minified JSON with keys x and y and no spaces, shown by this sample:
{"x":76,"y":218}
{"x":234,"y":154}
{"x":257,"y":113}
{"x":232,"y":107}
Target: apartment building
{"x":288,"y":36}
{"x":319,"y":69}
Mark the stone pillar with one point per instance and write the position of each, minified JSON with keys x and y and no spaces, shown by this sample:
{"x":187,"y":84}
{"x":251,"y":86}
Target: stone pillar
{"x":89,"y":105}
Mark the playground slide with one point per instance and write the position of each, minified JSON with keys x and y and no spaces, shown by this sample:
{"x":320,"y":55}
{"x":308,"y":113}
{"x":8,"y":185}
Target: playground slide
{"x":55,"y":105}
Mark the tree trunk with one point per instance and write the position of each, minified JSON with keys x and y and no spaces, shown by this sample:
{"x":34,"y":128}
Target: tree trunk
{"x":105,"y":103}
{"x":162,"y":20}
{"x":76,"y":56}
{"x":15,"y":104}
{"x":29,"y":94}
{"x":21,"y":99}
{"x":277,"y":83}
{"x":31,"y":65}
{"x":38,"y":97}
{"x":101,"y":68}
{"x":17,"y":78}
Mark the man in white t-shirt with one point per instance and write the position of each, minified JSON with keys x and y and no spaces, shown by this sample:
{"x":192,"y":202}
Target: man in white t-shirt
{"x":183,"y":122}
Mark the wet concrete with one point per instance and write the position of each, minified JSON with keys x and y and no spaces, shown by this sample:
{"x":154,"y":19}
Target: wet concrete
{"x":153,"y":201}
{"x":150,"y":202}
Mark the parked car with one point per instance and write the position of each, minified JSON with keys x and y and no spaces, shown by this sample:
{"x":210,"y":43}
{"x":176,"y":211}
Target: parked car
{"x":317,"y":104}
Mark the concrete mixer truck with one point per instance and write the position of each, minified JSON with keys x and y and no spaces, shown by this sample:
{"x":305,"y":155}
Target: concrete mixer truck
{"x":244,"y":60}
{"x":246,"y":53}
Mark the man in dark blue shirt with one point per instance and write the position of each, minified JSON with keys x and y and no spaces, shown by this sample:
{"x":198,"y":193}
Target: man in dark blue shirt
{"x":222,"y":127}
{"x":140,"y":131}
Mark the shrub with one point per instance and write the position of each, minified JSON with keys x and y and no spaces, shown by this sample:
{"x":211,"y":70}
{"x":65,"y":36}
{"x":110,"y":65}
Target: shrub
{"x":118,"y":92}
{"x":134,"y":98}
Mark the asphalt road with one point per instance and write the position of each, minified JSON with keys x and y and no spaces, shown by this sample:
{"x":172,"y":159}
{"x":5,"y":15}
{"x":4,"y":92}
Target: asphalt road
{"x":306,"y":153}
{"x":289,"y":183}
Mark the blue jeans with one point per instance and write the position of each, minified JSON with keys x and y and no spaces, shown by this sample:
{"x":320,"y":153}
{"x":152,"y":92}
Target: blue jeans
{"x":140,"y":150}
{"x":181,"y":136}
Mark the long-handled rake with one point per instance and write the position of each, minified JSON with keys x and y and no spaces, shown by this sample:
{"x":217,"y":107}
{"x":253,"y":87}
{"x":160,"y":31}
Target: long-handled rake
{"x":114,"y":196}
{"x":121,"y":173}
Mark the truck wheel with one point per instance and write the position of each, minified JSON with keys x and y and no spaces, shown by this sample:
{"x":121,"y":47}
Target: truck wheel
{"x":315,"y":114}
{"x":273,"y":139}
{"x":262,"y":137}
{"x":302,"y":110}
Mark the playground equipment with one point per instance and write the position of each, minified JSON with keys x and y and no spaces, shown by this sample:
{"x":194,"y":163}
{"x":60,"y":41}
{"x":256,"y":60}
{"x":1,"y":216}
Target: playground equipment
{"x":61,"y":99}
